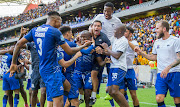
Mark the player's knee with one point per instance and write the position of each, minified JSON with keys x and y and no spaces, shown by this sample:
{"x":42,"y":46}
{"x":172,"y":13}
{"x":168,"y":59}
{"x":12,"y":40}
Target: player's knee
{"x":75,"y":102}
{"x":177,"y":100}
{"x":113,"y":92}
{"x":94,"y":74}
{"x":133,"y":95}
{"x":159,"y":98}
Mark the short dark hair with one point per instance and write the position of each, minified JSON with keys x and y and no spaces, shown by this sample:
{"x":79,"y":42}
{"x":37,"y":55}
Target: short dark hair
{"x":109,"y":4}
{"x":130,"y":29}
{"x":65,"y":29}
{"x":97,"y":21}
{"x":54,"y":13}
{"x":165,"y":24}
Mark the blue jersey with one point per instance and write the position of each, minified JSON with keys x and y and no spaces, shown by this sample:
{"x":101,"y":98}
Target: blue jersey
{"x":85,"y":63}
{"x":66,"y":56}
{"x":46,"y":39}
{"x":6,"y":62}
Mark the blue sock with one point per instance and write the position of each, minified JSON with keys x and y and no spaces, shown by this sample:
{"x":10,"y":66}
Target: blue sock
{"x":126,"y":96}
{"x":65,"y":96}
{"x":38,"y":104}
{"x":5,"y":98}
{"x":16,"y":100}
{"x":112,"y":103}
{"x":161,"y":104}
{"x":30,"y":105}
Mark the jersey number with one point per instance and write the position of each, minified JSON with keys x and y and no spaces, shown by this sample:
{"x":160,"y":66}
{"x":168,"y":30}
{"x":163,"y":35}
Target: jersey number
{"x":39,"y":42}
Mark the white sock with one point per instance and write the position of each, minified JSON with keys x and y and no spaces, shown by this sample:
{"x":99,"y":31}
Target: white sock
{"x":81,"y":96}
{"x":93,"y":94}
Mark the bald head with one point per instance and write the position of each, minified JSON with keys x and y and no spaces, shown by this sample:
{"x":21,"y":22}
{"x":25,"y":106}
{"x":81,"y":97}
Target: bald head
{"x":120,"y":30}
{"x":85,"y":35}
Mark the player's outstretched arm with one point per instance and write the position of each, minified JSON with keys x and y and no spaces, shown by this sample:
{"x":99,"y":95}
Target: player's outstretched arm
{"x":152,"y":57}
{"x":2,"y":52}
{"x":175,"y":63}
{"x":68,"y":63}
{"x":17,"y":48}
{"x":71,"y":51}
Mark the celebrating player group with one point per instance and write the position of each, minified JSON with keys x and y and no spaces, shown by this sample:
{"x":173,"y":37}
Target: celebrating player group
{"x":69,"y":72}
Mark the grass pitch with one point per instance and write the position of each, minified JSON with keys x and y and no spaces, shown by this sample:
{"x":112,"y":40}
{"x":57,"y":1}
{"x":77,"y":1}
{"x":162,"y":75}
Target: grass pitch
{"x":146,"y":98}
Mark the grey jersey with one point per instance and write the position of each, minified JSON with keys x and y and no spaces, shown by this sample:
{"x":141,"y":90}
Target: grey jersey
{"x":34,"y":56}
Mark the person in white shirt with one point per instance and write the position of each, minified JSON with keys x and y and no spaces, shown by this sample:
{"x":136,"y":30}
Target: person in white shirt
{"x":166,"y":51}
{"x":109,"y":21}
{"x":118,"y":66}
{"x":130,"y":78}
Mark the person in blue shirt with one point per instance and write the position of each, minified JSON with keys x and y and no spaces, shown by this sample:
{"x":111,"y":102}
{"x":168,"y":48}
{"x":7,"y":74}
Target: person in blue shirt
{"x":9,"y":84}
{"x":73,"y":94}
{"x":47,"y":38}
{"x":84,"y":66}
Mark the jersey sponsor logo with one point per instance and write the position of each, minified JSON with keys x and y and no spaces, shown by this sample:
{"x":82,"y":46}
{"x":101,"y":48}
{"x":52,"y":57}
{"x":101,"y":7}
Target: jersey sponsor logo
{"x":37,"y":34}
{"x":40,"y":29}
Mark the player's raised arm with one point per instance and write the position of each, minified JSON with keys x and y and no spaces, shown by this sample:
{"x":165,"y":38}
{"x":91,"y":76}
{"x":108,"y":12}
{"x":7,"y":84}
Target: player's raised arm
{"x":17,"y":48}
{"x":152,"y":57}
{"x":68,"y":63}
{"x":71,"y":51}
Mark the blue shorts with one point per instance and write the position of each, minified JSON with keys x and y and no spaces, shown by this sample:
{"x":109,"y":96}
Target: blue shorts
{"x":28,"y":84}
{"x":10,"y":83}
{"x":171,"y":83}
{"x":74,"y":92}
{"x":83,"y":80}
{"x":130,"y":80}
{"x":116,"y":76}
{"x":54,"y":84}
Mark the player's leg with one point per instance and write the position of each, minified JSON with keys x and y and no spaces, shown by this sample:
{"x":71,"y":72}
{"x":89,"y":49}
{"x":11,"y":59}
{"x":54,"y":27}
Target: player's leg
{"x":177,"y":101}
{"x":58,"y":101}
{"x":99,"y":79}
{"x":5,"y":98}
{"x":131,"y":83}
{"x":49,"y":103}
{"x":67,"y":87}
{"x":10,"y":98}
{"x":134,"y":98}
{"x":174,"y":87}
{"x":23,"y":92}
{"x":118,"y":96}
{"x":87,"y":95}
{"x":30,"y":95}
{"x":161,"y":90}
{"x":43,"y":93}
{"x":43,"y":96}
{"x":95,"y":82}
{"x":81,"y":95}
{"x":34,"y":98}
{"x":16,"y":97}
{"x":115,"y":78}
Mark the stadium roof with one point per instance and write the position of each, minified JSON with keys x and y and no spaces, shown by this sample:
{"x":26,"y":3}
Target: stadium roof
{"x":15,"y":1}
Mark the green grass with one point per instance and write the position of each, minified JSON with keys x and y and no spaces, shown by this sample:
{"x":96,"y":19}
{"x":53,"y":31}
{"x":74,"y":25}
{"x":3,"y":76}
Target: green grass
{"x":146,"y":98}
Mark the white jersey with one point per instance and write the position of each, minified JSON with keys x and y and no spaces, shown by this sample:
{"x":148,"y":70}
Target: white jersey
{"x":108,"y":26}
{"x":130,"y":55}
{"x":120,"y":45}
{"x":166,"y":53}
